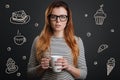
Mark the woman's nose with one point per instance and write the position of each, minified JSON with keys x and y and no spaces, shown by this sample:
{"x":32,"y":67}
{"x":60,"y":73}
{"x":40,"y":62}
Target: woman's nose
{"x":57,"y":19}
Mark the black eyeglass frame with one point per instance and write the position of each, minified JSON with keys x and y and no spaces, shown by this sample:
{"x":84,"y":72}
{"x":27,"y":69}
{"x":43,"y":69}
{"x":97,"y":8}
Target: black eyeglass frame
{"x":56,"y":17}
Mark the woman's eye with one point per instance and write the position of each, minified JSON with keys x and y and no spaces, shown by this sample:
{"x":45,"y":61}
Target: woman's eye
{"x":53,"y":16}
{"x":62,"y":16}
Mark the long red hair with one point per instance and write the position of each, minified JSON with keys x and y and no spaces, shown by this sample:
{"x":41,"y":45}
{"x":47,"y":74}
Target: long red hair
{"x":43,"y":42}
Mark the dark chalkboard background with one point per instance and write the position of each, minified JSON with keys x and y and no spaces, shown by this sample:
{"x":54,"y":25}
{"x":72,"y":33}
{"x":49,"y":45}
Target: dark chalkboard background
{"x":93,"y":35}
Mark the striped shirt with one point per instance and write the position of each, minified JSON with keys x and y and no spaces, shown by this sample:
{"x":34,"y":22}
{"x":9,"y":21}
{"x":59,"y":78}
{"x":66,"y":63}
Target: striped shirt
{"x":58,"y":46}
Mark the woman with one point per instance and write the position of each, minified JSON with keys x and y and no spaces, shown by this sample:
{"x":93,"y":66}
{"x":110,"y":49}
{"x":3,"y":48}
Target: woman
{"x":57,"y":38}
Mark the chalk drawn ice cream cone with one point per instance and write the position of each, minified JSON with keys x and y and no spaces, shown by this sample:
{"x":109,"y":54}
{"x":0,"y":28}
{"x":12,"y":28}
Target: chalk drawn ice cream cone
{"x":110,"y":65}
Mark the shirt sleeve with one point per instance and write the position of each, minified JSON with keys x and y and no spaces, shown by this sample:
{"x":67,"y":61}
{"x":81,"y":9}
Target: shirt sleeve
{"x":82,"y":60}
{"x":32,"y":65}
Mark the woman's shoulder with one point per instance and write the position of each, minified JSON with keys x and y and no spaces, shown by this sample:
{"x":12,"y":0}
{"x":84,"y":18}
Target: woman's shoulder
{"x":78,"y":39}
{"x":36,"y":38}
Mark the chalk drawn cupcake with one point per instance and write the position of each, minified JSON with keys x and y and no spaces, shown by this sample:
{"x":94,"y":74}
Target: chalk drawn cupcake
{"x":100,"y":16}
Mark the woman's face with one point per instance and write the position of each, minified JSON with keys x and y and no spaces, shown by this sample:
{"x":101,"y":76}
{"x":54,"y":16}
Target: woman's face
{"x":58,"y":19}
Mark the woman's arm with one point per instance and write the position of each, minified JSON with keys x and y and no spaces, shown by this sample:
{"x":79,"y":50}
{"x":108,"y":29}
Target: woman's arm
{"x":33,"y":66}
{"x":81,"y":71}
{"x":82,"y":60}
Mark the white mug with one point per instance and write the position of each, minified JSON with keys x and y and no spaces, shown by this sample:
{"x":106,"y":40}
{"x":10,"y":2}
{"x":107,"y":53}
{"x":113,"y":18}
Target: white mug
{"x":53,"y":60}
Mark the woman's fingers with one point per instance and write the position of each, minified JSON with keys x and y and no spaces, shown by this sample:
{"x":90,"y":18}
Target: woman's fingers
{"x":45,"y":63}
{"x":62,"y":62}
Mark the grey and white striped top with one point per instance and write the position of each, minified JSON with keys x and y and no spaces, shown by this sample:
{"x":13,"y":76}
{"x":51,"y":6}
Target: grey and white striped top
{"x":58,"y":46}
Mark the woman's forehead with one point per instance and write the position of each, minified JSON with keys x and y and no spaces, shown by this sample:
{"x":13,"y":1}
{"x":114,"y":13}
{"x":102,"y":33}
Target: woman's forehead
{"x":59,"y":11}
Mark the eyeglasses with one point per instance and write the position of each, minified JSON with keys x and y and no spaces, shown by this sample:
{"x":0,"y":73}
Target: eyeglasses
{"x":61,"y":17}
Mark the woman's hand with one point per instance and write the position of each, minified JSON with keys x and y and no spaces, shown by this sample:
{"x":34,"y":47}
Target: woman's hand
{"x":74,"y":71}
{"x":64,"y":62}
{"x":45,"y":63}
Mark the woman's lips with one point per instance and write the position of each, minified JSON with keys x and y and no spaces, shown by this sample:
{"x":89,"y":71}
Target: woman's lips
{"x":57,"y":25}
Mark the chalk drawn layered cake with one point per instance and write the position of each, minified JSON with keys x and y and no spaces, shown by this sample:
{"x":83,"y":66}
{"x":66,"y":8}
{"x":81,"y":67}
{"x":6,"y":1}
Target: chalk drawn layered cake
{"x":19,"y":17}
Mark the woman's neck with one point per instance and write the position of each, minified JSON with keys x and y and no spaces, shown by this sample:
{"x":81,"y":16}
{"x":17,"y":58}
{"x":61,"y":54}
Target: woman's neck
{"x":58,"y":34}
